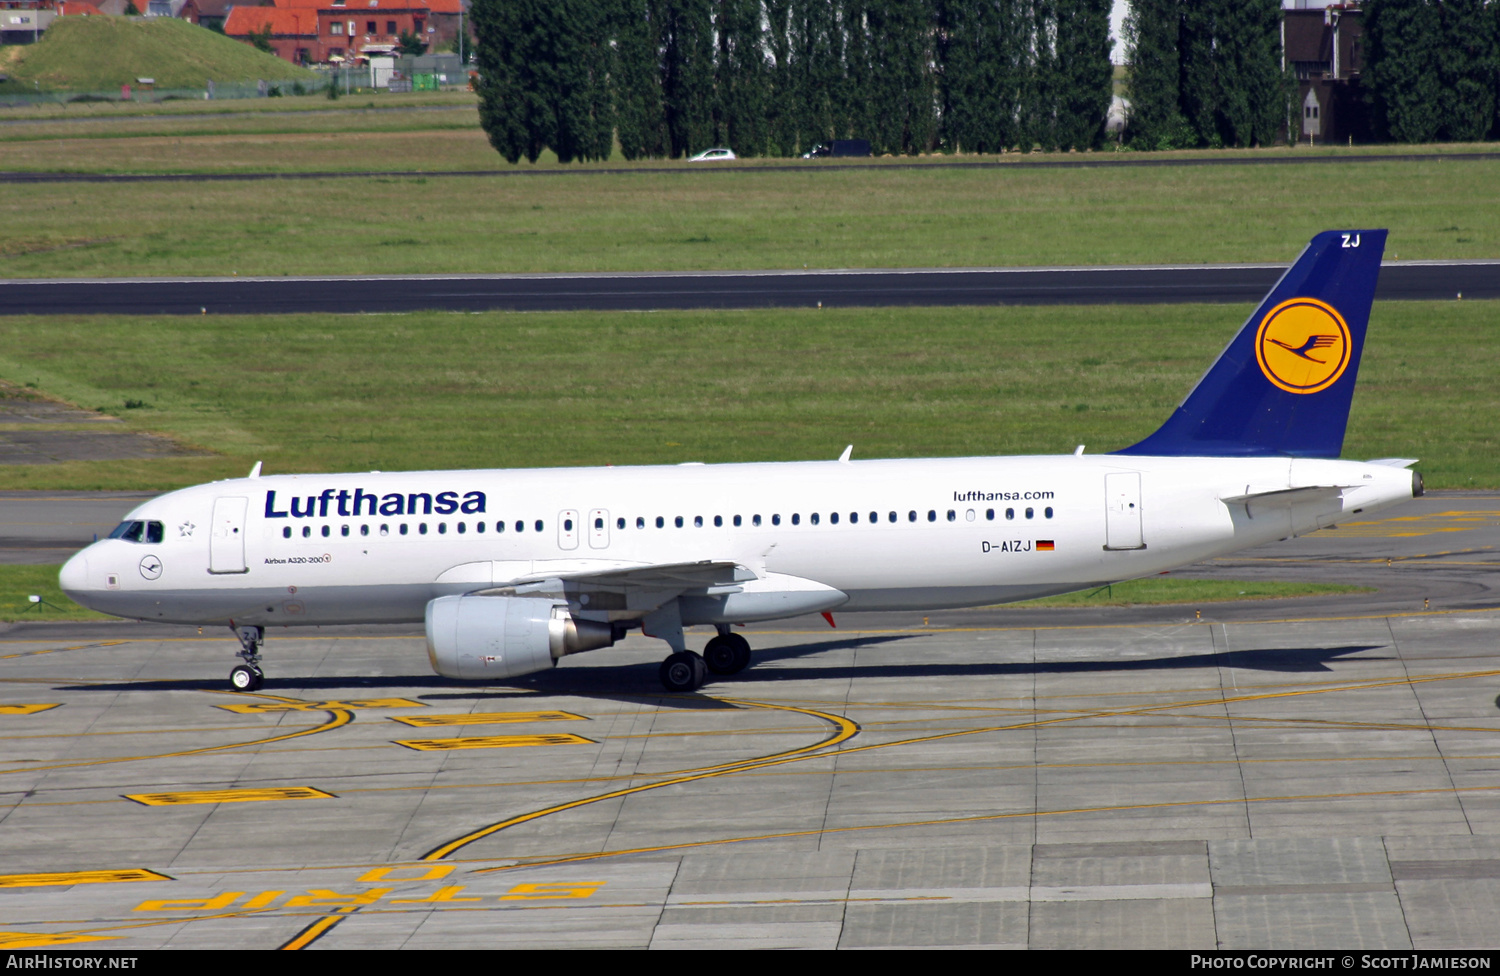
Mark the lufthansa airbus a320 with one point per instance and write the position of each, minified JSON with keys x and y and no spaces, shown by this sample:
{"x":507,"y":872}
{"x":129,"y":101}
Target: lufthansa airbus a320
{"x":512,"y":569}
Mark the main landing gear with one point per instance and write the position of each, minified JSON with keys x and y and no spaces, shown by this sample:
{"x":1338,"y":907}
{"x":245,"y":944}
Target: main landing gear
{"x":727,"y":653}
{"x":248,"y":676}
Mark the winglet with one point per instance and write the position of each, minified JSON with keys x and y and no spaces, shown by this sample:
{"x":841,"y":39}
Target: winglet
{"x":844,"y":458}
{"x":255,"y":471}
{"x":1283,"y":385}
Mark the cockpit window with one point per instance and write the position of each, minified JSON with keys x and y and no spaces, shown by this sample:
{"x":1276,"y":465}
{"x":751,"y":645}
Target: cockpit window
{"x":129,"y":531}
{"x":148,"y":532}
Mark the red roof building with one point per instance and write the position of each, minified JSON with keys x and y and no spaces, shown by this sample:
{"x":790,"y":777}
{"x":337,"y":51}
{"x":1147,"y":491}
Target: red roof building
{"x":316,"y":31}
{"x":293,"y":33}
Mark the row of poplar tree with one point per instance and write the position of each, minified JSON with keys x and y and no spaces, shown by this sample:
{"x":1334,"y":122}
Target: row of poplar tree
{"x":1433,"y":68}
{"x":776,"y":77}
{"x":1208,"y":72}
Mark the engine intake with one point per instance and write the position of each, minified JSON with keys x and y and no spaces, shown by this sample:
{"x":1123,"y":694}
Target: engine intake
{"x":485,"y":637}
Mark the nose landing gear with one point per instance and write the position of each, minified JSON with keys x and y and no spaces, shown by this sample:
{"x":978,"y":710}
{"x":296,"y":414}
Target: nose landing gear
{"x":248,"y":676}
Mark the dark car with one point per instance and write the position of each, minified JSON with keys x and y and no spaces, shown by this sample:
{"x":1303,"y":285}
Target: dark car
{"x":839,"y":147}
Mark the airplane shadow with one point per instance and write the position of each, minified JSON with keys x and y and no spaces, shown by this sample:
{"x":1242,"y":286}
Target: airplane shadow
{"x":1280,"y":660}
{"x":635,"y":683}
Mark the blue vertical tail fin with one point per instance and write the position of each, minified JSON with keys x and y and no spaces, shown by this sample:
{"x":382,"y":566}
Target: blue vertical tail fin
{"x":1284,"y":383}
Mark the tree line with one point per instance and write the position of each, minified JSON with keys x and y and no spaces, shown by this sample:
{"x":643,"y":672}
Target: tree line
{"x":1433,"y":68}
{"x":667,"y":78}
{"x":1208,"y":72}
{"x":776,"y":77}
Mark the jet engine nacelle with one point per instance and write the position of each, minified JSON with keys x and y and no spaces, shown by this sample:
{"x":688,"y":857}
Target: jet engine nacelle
{"x":483,"y":637}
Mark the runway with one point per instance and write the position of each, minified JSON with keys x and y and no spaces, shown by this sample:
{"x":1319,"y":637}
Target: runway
{"x":1399,"y":281}
{"x":1297,"y":774}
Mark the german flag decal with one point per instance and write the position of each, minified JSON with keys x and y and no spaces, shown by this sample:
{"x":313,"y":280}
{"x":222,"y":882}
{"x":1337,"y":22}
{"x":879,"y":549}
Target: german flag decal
{"x":1044,"y":545}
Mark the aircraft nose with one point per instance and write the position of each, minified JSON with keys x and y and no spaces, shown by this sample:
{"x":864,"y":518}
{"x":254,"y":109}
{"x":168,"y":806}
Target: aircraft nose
{"x":74,"y":576}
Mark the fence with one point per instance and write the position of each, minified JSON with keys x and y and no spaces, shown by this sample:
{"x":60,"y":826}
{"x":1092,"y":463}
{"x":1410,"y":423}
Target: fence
{"x":348,"y":80}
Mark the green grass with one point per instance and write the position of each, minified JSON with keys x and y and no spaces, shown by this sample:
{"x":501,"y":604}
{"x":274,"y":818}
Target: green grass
{"x":1157,"y":590}
{"x":441,"y":390}
{"x":692,"y":218}
{"x":130,"y":143}
{"x":18,"y":583}
{"x":103,"y":53}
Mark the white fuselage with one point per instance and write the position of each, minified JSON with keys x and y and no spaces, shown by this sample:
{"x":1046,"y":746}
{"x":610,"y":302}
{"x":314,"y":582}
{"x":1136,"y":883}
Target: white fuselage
{"x":877,"y":535}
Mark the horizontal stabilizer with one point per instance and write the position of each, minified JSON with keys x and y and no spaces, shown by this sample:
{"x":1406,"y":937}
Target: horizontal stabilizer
{"x":1284,"y":496}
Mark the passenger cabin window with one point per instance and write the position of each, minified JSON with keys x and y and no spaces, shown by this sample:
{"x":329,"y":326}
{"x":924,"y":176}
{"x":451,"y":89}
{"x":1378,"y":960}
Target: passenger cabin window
{"x":286,"y":531}
{"x":736,"y":521}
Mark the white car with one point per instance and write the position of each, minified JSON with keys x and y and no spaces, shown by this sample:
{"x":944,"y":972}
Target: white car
{"x":709,"y":155}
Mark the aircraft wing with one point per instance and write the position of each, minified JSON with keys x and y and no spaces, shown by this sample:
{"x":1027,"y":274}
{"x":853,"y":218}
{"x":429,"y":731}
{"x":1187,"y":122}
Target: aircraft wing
{"x":620,"y":588}
{"x":677,"y":576}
